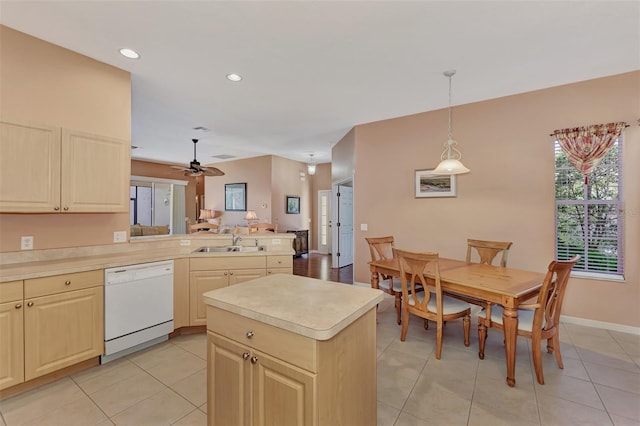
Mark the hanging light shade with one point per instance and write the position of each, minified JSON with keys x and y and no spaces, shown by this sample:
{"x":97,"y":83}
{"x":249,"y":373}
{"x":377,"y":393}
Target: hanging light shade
{"x":450,"y":163}
{"x":311,"y":167}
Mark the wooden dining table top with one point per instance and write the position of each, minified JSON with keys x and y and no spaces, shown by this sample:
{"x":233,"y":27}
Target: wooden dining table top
{"x":478,"y":279}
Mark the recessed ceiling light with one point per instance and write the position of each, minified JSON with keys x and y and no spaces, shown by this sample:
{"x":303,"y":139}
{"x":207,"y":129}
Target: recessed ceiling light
{"x":234,"y":77}
{"x":129,"y":53}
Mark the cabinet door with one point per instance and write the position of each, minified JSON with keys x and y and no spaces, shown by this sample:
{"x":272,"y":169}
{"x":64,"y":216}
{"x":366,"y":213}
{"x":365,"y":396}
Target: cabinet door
{"x":62,"y":329}
{"x":238,"y":276}
{"x":180,"y":293}
{"x":282,"y":394}
{"x":229,"y":382}
{"x":95,"y":173}
{"x":29,"y":168}
{"x":11,"y":344}
{"x":201,"y":282}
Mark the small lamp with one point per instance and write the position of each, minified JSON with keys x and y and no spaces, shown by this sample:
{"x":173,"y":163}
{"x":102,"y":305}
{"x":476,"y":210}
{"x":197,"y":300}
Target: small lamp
{"x":311,"y":167}
{"x":205,"y":215}
{"x":251,"y":216}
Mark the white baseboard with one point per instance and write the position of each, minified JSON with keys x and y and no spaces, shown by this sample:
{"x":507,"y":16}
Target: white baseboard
{"x":574,"y":320}
{"x":600,"y":324}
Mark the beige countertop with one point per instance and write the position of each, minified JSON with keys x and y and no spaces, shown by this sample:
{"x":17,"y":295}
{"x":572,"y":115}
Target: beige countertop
{"x":43,"y":263}
{"x":313,"y":308}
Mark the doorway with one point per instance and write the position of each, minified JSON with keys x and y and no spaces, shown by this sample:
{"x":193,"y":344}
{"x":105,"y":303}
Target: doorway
{"x":342,"y":219}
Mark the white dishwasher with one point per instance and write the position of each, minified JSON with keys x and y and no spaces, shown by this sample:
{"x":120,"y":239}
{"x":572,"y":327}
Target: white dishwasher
{"x":138,"y":307}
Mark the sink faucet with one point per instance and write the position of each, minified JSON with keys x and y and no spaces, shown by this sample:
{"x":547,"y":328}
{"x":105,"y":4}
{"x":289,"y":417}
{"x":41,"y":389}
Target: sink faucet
{"x":236,"y":239}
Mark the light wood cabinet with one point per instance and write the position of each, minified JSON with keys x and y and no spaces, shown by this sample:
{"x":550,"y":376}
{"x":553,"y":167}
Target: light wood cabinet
{"x":46,"y":169}
{"x":210,"y":273}
{"x":180,"y":293}
{"x":260,"y":374}
{"x":63,"y":321}
{"x":11,"y":334}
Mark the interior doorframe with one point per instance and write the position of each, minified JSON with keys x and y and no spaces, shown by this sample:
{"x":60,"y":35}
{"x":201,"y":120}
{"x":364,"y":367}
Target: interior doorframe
{"x":329,"y":194}
{"x":334,"y":217}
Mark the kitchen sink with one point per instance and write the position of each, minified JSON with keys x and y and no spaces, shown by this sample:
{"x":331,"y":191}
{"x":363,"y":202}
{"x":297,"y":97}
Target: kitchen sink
{"x":224,"y":249}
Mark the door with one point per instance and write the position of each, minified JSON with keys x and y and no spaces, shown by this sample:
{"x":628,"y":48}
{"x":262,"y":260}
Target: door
{"x":342,"y":252}
{"x":229,"y":382}
{"x":202,"y":282}
{"x":62,"y":329}
{"x":282,"y":393}
{"x":324,"y":219}
{"x":11,"y":344}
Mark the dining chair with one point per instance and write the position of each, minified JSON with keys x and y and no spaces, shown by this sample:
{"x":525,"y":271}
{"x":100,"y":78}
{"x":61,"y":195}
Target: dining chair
{"x":427,"y":304}
{"x":381,"y":248}
{"x":203,"y":227}
{"x":536,"y":321}
{"x":263,"y":227}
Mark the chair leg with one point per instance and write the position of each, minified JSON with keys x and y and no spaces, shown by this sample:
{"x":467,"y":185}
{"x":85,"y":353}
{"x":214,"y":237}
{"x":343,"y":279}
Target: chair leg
{"x":466,"y":324}
{"x":439,"y":340}
{"x":556,"y":350}
{"x":405,"y":324}
{"x":398,"y":306}
{"x":482,"y":338}
{"x":536,"y":354}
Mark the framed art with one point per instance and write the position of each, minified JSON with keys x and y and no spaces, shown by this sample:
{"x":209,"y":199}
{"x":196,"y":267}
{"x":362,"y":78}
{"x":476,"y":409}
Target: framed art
{"x":235,"y":197}
{"x":293,"y":205}
{"x":430,"y":185}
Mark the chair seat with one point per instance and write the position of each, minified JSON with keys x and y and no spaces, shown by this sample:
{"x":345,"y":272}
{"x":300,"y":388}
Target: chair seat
{"x":525,"y":318}
{"x":397,"y":285}
{"x":449,"y":304}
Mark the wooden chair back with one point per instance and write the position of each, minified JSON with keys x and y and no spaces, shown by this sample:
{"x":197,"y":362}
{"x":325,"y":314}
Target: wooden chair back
{"x":412,"y":266}
{"x":263,"y":227}
{"x":489,"y":250}
{"x":551,"y":295}
{"x":380,"y":248}
{"x":203,"y":227}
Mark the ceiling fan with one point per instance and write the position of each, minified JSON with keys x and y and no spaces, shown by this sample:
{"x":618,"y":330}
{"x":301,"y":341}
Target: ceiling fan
{"x":195,"y":169}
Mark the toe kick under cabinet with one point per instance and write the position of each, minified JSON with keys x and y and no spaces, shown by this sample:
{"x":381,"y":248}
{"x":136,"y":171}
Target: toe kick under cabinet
{"x":290,"y":350}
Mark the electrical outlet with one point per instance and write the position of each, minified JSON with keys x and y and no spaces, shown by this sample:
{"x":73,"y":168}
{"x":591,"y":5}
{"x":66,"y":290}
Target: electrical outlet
{"x":276,"y":241}
{"x":26,"y":243}
{"x":185,"y":242}
{"x":120,"y":236}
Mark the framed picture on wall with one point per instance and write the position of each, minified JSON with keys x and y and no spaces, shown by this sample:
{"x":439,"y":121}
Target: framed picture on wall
{"x":235,"y":197}
{"x":293,"y":205}
{"x":429,"y":185}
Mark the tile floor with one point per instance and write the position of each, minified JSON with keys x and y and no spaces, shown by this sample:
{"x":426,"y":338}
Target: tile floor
{"x":166,"y":384}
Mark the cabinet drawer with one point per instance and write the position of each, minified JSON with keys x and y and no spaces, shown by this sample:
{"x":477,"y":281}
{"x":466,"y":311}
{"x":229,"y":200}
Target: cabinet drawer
{"x":227,"y":262}
{"x":280,"y":261}
{"x":285,"y":345}
{"x":272,"y":271}
{"x":60,"y":283}
{"x":11,"y":291}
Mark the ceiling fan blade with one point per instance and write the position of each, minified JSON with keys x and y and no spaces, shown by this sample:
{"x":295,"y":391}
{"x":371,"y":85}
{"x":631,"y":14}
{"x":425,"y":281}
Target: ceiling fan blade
{"x":212,"y":171}
{"x":178,"y":167}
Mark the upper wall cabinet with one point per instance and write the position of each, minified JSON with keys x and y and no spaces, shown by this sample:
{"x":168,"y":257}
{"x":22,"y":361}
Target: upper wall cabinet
{"x":45,"y":169}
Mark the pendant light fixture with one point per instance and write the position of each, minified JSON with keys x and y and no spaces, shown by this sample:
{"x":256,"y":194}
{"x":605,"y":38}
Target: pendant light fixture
{"x":311,"y":167}
{"x":450,"y":159}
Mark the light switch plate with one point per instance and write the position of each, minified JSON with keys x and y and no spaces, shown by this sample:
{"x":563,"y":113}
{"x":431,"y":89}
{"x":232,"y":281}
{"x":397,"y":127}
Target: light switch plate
{"x":26,"y":243}
{"x":185,"y":242}
{"x":120,"y":236}
{"x":364,"y":227}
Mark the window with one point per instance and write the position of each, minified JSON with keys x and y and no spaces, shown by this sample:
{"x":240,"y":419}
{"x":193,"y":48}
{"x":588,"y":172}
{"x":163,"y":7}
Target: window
{"x":589,"y":215}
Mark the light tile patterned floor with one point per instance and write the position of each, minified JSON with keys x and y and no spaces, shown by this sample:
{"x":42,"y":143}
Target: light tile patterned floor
{"x":166,"y":384}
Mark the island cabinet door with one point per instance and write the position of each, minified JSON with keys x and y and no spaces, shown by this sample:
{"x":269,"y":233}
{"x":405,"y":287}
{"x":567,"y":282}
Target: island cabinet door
{"x":228,"y":382}
{"x":282,"y":393}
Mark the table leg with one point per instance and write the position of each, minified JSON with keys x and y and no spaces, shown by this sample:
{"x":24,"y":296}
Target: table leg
{"x":374,"y":280}
{"x":510,"y":323}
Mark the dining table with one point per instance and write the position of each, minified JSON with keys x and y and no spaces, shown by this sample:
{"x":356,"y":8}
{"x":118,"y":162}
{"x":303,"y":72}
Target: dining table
{"x":508,"y":287}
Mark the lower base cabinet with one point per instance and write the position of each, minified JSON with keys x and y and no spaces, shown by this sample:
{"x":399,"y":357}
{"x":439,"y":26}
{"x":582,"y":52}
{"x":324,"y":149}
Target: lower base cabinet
{"x":11,"y":343}
{"x":262,"y":375}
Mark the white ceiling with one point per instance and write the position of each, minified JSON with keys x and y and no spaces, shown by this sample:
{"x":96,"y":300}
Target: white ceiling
{"x":314,"y":69}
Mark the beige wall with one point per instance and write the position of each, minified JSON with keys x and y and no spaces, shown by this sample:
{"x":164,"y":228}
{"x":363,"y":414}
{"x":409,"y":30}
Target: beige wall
{"x":286,"y":180}
{"x":343,"y":157}
{"x":44,"y":83}
{"x":320,"y":181}
{"x":509,"y":194}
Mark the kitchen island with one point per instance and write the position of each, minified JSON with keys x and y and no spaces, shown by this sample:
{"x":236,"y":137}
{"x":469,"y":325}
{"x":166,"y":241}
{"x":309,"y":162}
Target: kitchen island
{"x":291,"y":350}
